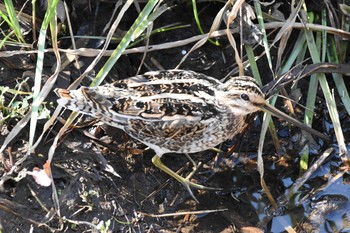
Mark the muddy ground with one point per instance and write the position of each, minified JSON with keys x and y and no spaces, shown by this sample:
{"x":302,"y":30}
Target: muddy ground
{"x":89,"y":195}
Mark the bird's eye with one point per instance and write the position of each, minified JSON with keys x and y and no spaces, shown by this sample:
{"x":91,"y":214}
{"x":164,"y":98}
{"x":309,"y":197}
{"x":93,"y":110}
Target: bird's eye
{"x":245,"y":97}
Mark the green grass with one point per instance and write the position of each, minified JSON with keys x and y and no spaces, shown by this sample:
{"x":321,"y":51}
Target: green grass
{"x":309,"y":45}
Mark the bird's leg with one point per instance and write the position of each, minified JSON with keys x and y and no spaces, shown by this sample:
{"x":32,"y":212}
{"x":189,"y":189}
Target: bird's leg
{"x":184,"y":181}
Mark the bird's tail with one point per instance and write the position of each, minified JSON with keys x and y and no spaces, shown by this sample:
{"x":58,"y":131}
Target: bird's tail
{"x":74,"y":100}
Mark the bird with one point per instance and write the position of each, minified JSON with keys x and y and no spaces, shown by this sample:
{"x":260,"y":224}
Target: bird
{"x":175,"y":111}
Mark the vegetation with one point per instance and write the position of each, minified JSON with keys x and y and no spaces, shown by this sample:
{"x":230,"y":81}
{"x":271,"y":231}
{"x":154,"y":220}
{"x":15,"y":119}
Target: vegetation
{"x":301,"y":48}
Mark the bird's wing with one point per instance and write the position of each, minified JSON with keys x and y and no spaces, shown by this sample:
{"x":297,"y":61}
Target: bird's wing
{"x":154,"y":96}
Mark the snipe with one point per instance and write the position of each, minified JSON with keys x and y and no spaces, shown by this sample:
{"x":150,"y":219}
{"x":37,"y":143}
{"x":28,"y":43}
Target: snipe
{"x":175,"y":111}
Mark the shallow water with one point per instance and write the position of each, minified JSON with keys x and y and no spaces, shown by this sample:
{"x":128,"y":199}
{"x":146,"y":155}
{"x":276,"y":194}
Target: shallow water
{"x":320,"y":205}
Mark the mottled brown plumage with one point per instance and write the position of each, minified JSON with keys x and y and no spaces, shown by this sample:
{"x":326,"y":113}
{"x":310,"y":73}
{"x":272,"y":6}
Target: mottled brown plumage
{"x":173,"y":111}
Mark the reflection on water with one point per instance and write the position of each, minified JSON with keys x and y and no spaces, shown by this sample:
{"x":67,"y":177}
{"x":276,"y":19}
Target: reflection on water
{"x":320,"y":205}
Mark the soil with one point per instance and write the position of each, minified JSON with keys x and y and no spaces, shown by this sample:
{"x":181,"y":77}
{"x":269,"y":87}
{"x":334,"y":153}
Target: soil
{"x":87,"y":159}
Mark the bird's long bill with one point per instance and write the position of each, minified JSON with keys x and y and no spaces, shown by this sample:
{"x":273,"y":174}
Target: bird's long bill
{"x":274,"y":111}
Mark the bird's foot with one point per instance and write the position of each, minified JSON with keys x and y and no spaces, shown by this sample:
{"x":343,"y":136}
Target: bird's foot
{"x":184,"y":181}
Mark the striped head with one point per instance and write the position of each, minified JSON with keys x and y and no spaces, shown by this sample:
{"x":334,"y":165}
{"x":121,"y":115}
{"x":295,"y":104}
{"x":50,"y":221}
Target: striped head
{"x":242,"y":95}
